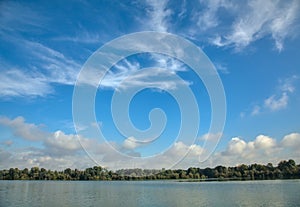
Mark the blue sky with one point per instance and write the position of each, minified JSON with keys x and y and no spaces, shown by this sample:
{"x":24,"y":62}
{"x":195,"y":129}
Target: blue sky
{"x":44,"y":45}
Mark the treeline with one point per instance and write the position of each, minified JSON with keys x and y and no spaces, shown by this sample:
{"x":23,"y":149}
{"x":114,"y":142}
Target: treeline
{"x":284,"y":170}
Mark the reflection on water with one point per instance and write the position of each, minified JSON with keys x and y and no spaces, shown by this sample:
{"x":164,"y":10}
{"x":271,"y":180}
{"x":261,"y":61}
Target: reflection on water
{"x":149,"y":193}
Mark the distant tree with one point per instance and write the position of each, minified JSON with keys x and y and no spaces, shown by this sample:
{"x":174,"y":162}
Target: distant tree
{"x":286,"y":169}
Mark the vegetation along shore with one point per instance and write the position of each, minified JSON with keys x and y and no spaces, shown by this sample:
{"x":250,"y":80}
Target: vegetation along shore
{"x":286,"y":169}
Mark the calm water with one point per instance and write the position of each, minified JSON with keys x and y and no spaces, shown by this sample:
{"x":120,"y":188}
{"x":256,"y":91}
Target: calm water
{"x":149,"y":193}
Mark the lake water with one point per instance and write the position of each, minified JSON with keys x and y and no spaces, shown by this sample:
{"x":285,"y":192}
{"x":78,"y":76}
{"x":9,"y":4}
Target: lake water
{"x":149,"y":193}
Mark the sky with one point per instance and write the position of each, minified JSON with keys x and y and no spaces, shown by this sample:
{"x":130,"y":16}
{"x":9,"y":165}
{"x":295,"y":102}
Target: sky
{"x":47,"y":53}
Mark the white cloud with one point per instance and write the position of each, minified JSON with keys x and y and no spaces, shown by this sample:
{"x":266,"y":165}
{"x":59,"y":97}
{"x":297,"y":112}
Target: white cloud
{"x":282,"y":25}
{"x":41,"y":65}
{"x":57,"y":141}
{"x":158,"y":15}
{"x":236,"y":146}
{"x":180,"y":149}
{"x":127,"y":74}
{"x":16,"y":83}
{"x":150,"y":78}
{"x":276,"y":104}
{"x":22,"y":129}
{"x":60,"y":150}
{"x":65,"y":142}
{"x":253,"y":21}
{"x":83,"y":37}
{"x":168,"y":63}
{"x":222,"y":68}
{"x":17,"y":16}
{"x":292,"y":140}
{"x":53,"y":64}
{"x":211,"y":136}
{"x":131,"y":143}
{"x":263,"y":149}
{"x":286,"y":87}
{"x":260,"y":146}
{"x":255,"y":110}
{"x":264,"y":142}
{"x":48,"y":67}
{"x":208,"y":18}
{"x":279,"y":100}
{"x":30,"y":157}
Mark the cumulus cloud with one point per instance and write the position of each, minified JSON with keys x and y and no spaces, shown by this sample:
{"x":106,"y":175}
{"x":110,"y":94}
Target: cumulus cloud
{"x":59,"y":150}
{"x":211,"y":136}
{"x":65,"y":142}
{"x":22,"y":129}
{"x":55,"y":142}
{"x":262,"y":149}
{"x":180,"y":149}
{"x":30,"y":157}
{"x":292,"y":140}
{"x":180,"y":155}
{"x":236,"y":146}
{"x":131,"y":143}
{"x":264,"y":142}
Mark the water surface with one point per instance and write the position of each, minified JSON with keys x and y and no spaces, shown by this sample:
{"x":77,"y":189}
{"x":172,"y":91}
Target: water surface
{"x":149,"y":193}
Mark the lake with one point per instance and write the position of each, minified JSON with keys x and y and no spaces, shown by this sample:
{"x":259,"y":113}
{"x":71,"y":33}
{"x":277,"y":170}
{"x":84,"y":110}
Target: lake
{"x":149,"y":193}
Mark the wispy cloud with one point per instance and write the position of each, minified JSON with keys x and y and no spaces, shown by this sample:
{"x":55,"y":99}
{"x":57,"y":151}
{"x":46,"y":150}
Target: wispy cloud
{"x":247,"y":21}
{"x":256,"y":110}
{"x":208,"y":18}
{"x":83,"y":37}
{"x":222,"y":68}
{"x":54,"y":64}
{"x":19,"y":17}
{"x":129,"y":73}
{"x":17,"y":83}
{"x":47,"y":66}
{"x":158,"y":13}
{"x":258,"y":20}
{"x":35,"y":65}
